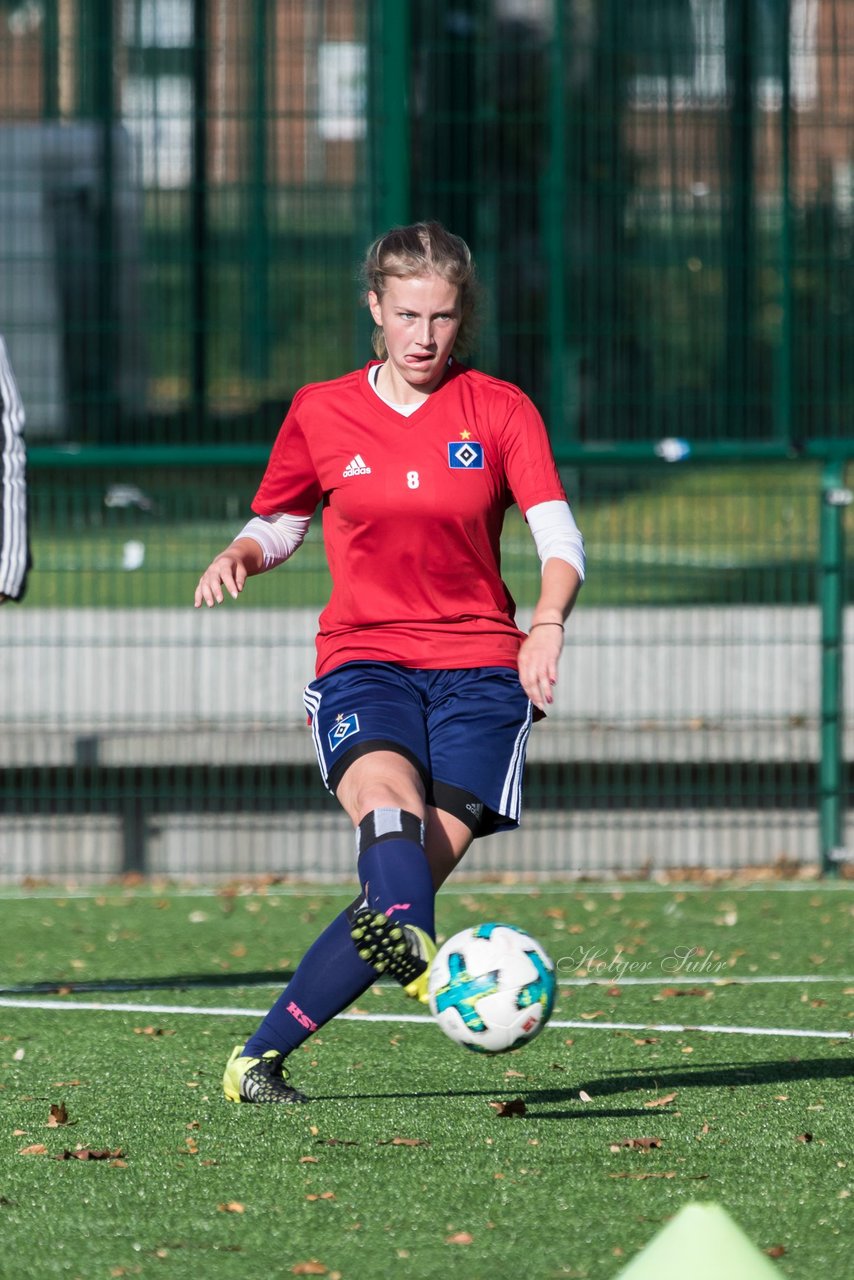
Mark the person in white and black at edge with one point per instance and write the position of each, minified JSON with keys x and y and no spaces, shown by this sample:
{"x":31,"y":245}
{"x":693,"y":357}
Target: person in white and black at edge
{"x":14,"y":537}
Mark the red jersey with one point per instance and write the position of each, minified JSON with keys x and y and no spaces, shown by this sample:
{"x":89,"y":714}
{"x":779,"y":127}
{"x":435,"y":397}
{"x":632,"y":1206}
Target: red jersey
{"x":413,"y":509}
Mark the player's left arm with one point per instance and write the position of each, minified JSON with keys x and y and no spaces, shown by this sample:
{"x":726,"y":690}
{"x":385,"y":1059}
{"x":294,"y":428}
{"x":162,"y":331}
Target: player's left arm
{"x":561,"y":551}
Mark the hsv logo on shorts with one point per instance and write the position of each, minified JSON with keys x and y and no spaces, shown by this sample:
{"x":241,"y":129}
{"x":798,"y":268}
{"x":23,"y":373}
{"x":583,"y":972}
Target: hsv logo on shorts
{"x":465,"y":455}
{"x":344,"y":727}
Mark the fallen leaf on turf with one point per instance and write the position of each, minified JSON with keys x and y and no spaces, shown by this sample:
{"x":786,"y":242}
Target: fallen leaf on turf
{"x":19,"y":1133}
{"x":402,"y":1142}
{"x":584,"y":1095}
{"x":667,"y":993}
{"x":775,"y":1251}
{"x":321,"y":1195}
{"x":334,"y":1142}
{"x":459,"y":1237}
{"x":636,"y":1144}
{"x":152,"y":1031}
{"x":87,"y":1153}
{"x":671,"y":1173}
{"x":660,"y":1102}
{"x":232,"y":1206}
{"x":646,"y":1040}
{"x":58,"y":1115}
{"x":37,"y":1149}
{"x":600,"y":1013}
{"x":804,"y":1137}
{"x":509,"y":1075}
{"x":308,"y":1160}
{"x":310,"y":1268}
{"x":516,"y":1107}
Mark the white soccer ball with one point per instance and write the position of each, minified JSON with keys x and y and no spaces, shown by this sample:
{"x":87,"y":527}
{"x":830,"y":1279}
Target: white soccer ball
{"x":492,"y":988}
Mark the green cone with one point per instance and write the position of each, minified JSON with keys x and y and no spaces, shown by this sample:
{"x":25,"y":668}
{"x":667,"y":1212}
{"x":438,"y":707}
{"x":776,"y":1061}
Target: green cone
{"x":701,"y":1243}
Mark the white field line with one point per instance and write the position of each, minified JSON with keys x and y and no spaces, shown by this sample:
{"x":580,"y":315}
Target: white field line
{"x":88,"y":1006}
{"x":751,"y":980}
{"x":700,"y":979}
{"x":580,"y":888}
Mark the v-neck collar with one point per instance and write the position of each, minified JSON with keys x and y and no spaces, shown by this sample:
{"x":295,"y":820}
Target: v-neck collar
{"x":401,"y":420}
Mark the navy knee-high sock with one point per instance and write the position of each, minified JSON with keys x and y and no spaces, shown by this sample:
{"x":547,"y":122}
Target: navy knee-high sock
{"x":393,"y":867}
{"x":329,"y":977}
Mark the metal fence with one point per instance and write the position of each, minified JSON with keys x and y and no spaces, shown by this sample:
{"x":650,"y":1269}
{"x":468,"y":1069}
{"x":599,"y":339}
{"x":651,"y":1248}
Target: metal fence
{"x":699,"y":719}
{"x":660,"y":197}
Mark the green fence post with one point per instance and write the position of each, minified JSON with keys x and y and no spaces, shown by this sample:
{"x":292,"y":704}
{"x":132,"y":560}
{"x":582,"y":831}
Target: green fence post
{"x":393,"y":141}
{"x":740,"y":218}
{"x":92,"y":381}
{"x":50,"y":61}
{"x":258,"y":231}
{"x":199,"y":231}
{"x":785,"y":355}
{"x":834,"y":498}
{"x":562,"y":422}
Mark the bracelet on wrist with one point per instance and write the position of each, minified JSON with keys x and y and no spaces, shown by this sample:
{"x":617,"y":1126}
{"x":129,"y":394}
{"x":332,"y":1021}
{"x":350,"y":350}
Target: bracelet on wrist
{"x":547,"y":624}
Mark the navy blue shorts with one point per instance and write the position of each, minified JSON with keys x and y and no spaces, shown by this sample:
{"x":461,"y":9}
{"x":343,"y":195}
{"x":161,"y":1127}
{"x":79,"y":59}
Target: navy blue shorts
{"x":466,"y":732}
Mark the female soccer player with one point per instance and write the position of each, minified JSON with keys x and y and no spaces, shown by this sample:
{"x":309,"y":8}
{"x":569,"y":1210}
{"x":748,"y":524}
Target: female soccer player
{"x":425,"y":687}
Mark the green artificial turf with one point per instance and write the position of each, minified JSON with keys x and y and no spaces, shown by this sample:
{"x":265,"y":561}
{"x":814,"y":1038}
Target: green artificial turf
{"x":401,"y":1164}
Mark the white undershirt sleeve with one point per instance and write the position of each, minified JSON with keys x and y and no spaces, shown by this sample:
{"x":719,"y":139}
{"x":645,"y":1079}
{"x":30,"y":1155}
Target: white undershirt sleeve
{"x":556,"y":534}
{"x":278,"y":536}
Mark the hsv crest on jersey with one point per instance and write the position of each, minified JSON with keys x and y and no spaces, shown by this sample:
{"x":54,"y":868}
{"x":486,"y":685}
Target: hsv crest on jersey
{"x":356,"y":467}
{"x":465,"y":456}
{"x":344,"y":727}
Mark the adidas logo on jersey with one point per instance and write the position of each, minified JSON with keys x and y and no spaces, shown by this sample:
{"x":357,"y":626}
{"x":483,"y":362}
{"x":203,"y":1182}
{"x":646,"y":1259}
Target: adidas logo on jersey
{"x":356,"y":467}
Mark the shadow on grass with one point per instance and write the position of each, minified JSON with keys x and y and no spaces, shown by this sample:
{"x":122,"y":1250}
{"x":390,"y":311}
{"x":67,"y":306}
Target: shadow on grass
{"x":531,"y":1097}
{"x":715,"y":1075}
{"x":175,"y":982}
{"x":720,"y":1075}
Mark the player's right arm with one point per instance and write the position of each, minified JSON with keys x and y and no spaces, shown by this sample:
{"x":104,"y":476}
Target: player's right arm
{"x":261,"y":544}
